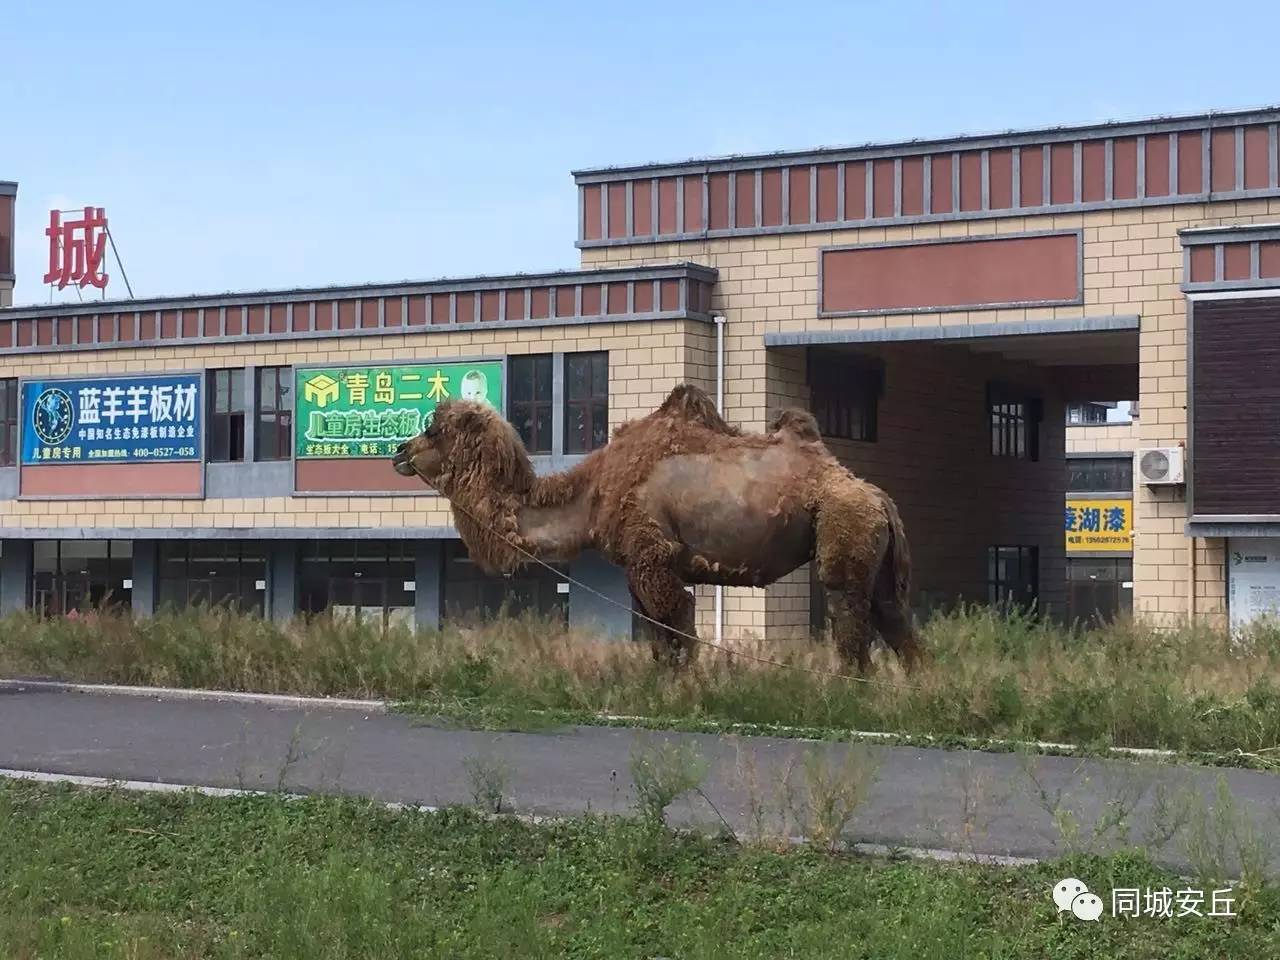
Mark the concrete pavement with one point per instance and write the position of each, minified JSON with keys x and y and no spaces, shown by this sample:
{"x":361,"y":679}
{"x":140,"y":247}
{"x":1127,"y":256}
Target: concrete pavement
{"x":967,"y":801}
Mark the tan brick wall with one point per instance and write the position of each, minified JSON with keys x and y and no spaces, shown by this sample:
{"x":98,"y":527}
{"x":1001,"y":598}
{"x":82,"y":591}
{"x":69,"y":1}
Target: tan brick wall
{"x":1133,"y":265}
{"x":1102,"y":438}
{"x":646,"y":360}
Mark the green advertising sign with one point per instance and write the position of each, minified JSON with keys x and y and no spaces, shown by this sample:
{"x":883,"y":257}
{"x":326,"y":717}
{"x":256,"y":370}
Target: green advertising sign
{"x":369,"y":411}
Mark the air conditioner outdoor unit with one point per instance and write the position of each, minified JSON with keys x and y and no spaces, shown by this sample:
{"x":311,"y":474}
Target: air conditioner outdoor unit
{"x":1160,"y":466}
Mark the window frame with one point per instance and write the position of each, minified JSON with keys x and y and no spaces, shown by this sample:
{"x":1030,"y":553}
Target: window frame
{"x":1013,"y":421}
{"x":1121,"y":465}
{"x":280,"y":418}
{"x":598,"y":396}
{"x":842,"y":412}
{"x":319,"y":565}
{"x":1026,"y":582}
{"x":245,"y":576}
{"x":235,"y":399}
{"x":63,"y":581}
{"x":9,"y":420}
{"x":519,"y":408}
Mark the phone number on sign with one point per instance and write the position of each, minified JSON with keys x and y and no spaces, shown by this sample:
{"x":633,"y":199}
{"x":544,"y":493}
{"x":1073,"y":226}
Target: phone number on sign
{"x":163,"y":452}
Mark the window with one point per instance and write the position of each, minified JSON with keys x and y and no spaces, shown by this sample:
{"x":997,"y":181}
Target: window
{"x":470,"y":594}
{"x":1015,"y":423}
{"x":531,"y":400}
{"x":212,"y":572}
{"x":8,"y":423}
{"x":359,"y":578}
{"x":844,"y":393}
{"x":1013,"y":577}
{"x":1081,"y":413}
{"x":71,"y":575}
{"x":1100,"y":474}
{"x":273,"y":397}
{"x":586,"y":392}
{"x":226,"y":415}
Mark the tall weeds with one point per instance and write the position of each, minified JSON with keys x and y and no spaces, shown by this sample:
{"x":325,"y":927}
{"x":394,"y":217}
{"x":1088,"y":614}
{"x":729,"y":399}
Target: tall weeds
{"x":989,"y":675}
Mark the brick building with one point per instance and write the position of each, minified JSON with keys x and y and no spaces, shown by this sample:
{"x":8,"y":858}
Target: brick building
{"x":938,"y":304}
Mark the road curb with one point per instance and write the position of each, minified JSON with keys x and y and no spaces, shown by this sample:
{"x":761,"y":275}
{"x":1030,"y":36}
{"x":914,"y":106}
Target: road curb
{"x":183,"y":693}
{"x":938,"y":855}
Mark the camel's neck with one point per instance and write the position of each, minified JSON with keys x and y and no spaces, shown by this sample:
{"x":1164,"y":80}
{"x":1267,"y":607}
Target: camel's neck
{"x":550,"y":519}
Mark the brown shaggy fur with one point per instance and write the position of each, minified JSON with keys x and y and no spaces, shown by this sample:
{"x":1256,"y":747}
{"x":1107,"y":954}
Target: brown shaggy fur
{"x":681,"y":497}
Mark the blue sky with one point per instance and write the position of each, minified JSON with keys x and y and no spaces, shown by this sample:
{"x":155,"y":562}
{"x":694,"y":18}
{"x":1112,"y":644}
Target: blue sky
{"x":249,"y":145}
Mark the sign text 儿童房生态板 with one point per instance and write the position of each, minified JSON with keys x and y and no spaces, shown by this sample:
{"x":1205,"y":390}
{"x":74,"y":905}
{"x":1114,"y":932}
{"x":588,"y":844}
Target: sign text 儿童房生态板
{"x":353,"y":412}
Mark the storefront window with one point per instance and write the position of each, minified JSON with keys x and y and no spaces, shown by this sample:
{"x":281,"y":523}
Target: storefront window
{"x":81,"y":575}
{"x":472,"y":595}
{"x":1099,"y":589}
{"x":213,"y":573}
{"x":359,"y":578}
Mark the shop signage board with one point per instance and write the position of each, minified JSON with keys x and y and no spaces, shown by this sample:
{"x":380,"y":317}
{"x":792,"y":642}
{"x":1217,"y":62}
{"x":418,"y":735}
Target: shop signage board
{"x":1253,"y":579}
{"x":129,"y":419}
{"x":355,"y":412}
{"x":1099,"y":526}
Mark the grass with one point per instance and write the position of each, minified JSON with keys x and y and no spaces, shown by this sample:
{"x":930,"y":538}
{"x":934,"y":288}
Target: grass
{"x":1192,"y":690}
{"x":104,"y":874}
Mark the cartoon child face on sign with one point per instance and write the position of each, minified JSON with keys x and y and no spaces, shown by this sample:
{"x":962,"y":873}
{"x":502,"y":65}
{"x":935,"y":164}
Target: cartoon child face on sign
{"x":474,"y":387}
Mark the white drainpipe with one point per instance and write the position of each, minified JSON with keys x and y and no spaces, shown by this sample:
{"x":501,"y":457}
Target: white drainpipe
{"x":719,"y":409}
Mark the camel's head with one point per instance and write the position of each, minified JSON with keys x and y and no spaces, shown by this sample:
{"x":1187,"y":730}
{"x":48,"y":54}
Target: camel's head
{"x":465,"y":441}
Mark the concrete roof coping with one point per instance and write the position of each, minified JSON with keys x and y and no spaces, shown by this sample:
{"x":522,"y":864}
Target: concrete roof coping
{"x":955,"y":141}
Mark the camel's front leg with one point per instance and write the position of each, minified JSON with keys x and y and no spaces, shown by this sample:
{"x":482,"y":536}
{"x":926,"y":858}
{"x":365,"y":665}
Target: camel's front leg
{"x":663,"y":597}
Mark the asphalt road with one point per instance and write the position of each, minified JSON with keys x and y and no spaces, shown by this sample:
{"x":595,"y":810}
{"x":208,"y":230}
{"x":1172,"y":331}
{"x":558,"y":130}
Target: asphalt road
{"x":967,"y":801}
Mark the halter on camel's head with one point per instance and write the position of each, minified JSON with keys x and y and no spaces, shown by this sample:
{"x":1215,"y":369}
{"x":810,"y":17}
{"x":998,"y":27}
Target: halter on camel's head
{"x":464,"y":444}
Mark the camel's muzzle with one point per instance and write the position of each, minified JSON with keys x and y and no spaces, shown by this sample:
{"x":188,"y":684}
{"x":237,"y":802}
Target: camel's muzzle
{"x":401,"y":462}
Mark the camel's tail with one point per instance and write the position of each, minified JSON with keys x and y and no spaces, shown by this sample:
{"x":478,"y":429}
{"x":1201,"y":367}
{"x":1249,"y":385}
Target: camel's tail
{"x":891,"y":605}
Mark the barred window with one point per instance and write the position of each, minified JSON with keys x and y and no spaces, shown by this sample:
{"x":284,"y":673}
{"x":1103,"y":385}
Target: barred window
{"x":844,"y":394}
{"x":1015,"y":422}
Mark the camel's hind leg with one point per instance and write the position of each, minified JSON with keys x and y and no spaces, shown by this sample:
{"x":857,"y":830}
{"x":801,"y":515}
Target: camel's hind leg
{"x":663,"y":597}
{"x":894,"y":622}
{"x":851,"y":535}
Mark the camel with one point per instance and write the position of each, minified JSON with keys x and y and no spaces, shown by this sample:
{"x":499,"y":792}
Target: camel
{"x":680,"y":497}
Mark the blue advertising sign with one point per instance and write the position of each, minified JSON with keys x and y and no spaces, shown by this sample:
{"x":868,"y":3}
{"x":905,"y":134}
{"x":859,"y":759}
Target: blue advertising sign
{"x":131,"y":419}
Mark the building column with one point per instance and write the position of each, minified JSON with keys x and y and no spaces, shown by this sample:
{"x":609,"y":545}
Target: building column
{"x":282,"y":580}
{"x":15,"y":575}
{"x":587,"y":611}
{"x":428,"y":573}
{"x":250,"y":400}
{"x":146,"y":570}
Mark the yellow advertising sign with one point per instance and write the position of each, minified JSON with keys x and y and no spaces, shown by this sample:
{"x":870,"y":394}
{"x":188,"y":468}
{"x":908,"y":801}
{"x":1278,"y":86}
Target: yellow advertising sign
{"x":1099,"y":525}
